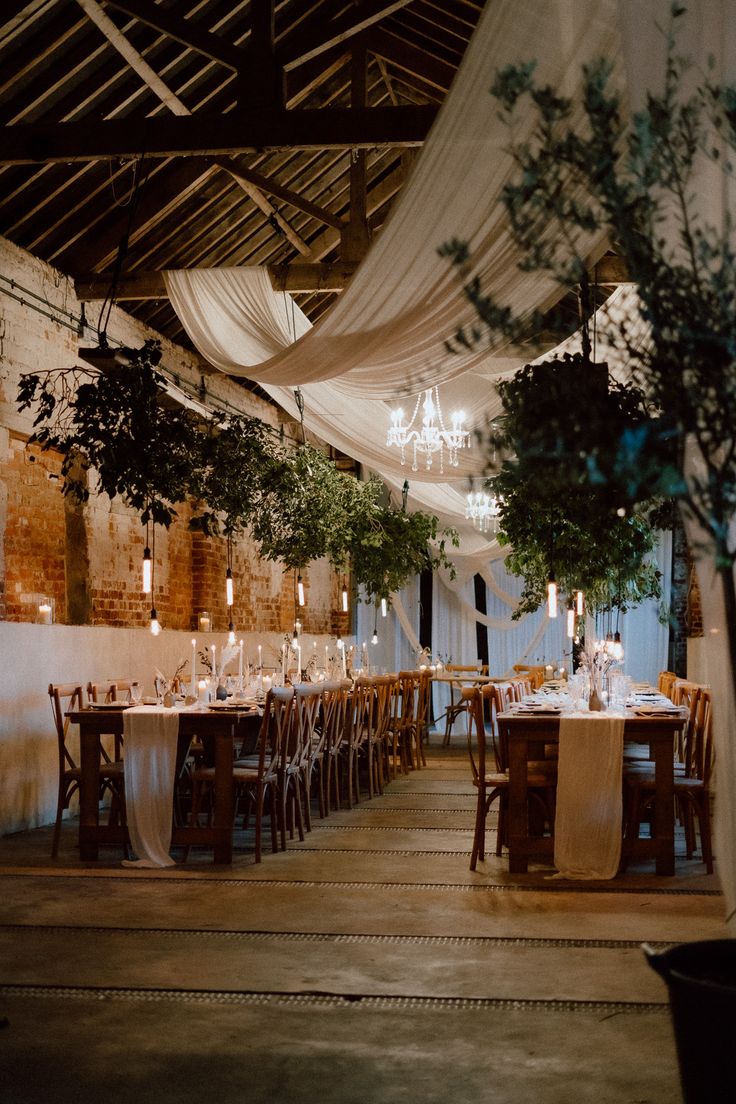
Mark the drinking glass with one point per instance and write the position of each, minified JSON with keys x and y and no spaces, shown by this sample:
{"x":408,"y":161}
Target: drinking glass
{"x":136,"y":693}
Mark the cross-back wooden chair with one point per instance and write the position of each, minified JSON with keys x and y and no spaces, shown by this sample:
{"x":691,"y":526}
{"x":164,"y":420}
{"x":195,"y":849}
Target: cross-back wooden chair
{"x":691,"y":784}
{"x":334,"y":710}
{"x":358,"y":723}
{"x":489,"y":767}
{"x":309,"y":743}
{"x":66,"y":698}
{"x":458,"y":705}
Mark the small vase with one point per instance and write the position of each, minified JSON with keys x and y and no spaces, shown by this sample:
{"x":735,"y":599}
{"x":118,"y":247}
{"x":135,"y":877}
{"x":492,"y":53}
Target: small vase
{"x":595,"y":701}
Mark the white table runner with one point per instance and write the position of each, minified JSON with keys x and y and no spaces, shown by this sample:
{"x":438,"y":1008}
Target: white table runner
{"x":150,"y":737}
{"x":589,"y":778}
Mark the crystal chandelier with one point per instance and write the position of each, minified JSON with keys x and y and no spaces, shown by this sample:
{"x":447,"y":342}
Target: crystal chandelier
{"x":432,"y":436}
{"x":483,"y":511}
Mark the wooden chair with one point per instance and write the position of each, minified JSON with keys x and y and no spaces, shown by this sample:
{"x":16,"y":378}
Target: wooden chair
{"x":665,"y":682}
{"x":334,"y":710}
{"x":308,"y":744}
{"x":358,"y":723}
{"x":458,"y":705}
{"x":489,"y":766}
{"x":691,"y":783}
{"x":256,"y":777}
{"x":420,"y":728}
{"x":534,"y":673}
{"x":66,"y":697}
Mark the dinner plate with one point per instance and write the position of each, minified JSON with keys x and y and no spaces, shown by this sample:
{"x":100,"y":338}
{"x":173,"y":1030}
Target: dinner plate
{"x":655,"y":711}
{"x":540,"y":710}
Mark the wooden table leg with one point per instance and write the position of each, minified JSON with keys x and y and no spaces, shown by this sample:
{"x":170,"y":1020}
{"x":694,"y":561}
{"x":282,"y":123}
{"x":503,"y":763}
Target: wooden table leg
{"x":664,"y":806}
{"x":518,"y":817}
{"x":89,"y":794}
{"x":224,"y":797}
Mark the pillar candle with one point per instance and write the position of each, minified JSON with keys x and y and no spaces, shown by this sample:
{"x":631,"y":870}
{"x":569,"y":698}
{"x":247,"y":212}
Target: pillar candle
{"x":240,"y":666}
{"x":327,"y":652}
{"x":298,"y":663}
{"x":194,"y":669}
{"x":214,"y":661}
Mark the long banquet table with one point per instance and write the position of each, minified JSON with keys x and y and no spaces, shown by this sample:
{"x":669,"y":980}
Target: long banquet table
{"x":222,"y":726}
{"x":527,"y":735}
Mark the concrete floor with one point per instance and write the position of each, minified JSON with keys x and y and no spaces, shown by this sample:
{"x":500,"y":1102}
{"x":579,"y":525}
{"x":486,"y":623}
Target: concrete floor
{"x":365,"y":966}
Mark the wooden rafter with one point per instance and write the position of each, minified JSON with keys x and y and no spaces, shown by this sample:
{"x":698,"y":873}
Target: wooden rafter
{"x":270,"y":186}
{"x":175,"y":105}
{"x":237,"y":132}
{"x":297,"y":278}
{"x":357,"y":19}
{"x":388,"y":47}
{"x":212,"y":46}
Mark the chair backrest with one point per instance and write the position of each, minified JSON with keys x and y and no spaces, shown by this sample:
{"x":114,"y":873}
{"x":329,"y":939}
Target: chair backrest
{"x":334,"y":707}
{"x":476,"y":729}
{"x":498,"y":698}
{"x":532,"y":672}
{"x":384,"y":685}
{"x":422,"y":701}
{"x":360,"y":711}
{"x":109,"y":691}
{"x":665,"y":682}
{"x":65,"y":697}
{"x":275,"y":737}
{"x":474,"y":668}
{"x":307,"y":702}
{"x":699,"y":758}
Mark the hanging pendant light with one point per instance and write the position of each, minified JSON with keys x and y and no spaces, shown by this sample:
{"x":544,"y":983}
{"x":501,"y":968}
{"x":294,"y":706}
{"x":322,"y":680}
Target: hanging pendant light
{"x":155,"y":626}
{"x":344,"y":596}
{"x":571,"y":622}
{"x":300,"y":590}
{"x":552,"y":597}
{"x":579,"y":604}
{"x":229,"y":596}
{"x":231,"y":633}
{"x":384,"y":607}
{"x":147,"y":570}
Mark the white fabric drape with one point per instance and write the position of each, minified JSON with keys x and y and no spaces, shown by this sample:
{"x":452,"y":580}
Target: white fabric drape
{"x":150,"y":766}
{"x":588,"y":806}
{"x":385,"y":335}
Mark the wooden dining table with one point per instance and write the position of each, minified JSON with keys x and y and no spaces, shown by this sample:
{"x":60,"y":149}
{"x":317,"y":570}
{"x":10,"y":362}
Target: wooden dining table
{"x":219,"y":728}
{"x":527,"y":736}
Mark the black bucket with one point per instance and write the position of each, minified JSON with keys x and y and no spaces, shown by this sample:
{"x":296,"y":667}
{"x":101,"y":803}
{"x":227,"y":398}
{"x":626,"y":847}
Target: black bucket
{"x":701,"y":978}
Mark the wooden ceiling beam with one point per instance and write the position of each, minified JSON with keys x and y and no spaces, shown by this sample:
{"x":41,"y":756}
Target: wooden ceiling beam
{"x":236,"y":132}
{"x":362,"y":15}
{"x":388,"y":47}
{"x":269,"y":186}
{"x":212,"y":46}
{"x":284,"y":277}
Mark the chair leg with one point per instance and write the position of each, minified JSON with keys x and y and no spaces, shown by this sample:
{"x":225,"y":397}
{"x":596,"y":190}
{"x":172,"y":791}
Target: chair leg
{"x":480,"y":829}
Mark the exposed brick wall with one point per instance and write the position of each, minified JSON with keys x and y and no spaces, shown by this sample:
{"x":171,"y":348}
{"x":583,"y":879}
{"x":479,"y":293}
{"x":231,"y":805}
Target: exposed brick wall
{"x":98,"y":551}
{"x":35,"y":532}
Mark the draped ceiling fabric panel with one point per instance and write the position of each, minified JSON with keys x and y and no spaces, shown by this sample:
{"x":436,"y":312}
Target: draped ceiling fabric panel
{"x":385,"y":335}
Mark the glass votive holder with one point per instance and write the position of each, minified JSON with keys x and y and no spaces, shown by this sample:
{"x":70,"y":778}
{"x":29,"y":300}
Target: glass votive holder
{"x":205,"y":622}
{"x":45,"y":612}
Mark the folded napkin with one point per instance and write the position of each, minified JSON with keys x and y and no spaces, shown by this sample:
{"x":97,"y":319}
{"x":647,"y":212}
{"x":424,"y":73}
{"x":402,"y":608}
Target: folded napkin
{"x":150,"y":737}
{"x":588,"y":812}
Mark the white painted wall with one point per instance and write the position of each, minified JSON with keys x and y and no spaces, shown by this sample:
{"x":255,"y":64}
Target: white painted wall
{"x":35,"y":655}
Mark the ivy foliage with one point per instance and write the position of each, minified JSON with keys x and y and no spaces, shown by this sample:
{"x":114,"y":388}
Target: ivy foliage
{"x":294,"y":501}
{"x":115,"y":424}
{"x":562,"y":417}
{"x":393,"y":545}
